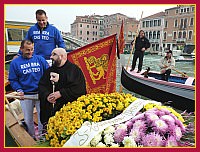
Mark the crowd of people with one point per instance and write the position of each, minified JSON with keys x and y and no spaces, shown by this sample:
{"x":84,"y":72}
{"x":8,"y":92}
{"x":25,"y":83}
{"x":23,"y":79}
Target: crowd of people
{"x":49,"y":87}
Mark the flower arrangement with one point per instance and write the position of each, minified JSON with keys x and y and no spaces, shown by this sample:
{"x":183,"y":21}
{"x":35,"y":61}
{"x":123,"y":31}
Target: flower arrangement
{"x":154,"y":126}
{"x":90,"y":107}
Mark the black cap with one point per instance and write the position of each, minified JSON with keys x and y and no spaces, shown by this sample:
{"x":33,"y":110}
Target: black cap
{"x":169,"y":51}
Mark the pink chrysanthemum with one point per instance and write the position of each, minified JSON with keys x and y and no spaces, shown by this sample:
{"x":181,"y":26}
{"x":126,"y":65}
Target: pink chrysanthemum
{"x":129,"y":125}
{"x":139,"y":124}
{"x":150,"y":117}
{"x":171,"y":142}
{"x":119,"y":135}
{"x":160,"y":112}
{"x":152,"y":139}
{"x":138,"y":117}
{"x":167,"y":118}
{"x":177,"y":133}
{"x":136,"y":134}
{"x":160,"y":126}
{"x":167,"y":112}
{"x":180,"y":124}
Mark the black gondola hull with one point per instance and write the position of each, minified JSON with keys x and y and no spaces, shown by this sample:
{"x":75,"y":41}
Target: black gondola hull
{"x":179,"y":97}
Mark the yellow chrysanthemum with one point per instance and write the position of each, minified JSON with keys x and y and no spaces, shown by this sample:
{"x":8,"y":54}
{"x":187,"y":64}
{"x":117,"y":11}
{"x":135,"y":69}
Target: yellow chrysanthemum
{"x":92,"y":107}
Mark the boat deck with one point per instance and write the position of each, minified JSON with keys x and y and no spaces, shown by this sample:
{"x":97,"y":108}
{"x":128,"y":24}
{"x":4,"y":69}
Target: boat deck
{"x":18,"y":133}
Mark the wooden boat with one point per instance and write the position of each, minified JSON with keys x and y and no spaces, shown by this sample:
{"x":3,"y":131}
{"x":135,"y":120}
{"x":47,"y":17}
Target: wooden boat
{"x":18,"y":133}
{"x":9,"y":57}
{"x":180,"y":91}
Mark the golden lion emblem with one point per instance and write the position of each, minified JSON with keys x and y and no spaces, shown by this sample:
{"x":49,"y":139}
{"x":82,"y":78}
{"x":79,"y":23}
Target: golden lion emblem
{"x":97,"y":67}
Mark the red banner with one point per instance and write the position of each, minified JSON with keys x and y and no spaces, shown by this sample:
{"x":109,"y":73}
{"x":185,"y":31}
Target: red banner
{"x":121,"y":41}
{"x":98,"y":63}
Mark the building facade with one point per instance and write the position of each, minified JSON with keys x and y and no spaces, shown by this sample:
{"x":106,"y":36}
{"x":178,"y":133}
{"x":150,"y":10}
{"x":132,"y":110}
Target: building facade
{"x":87,"y":28}
{"x":95,"y":27}
{"x":153,"y":27}
{"x":179,"y":27}
{"x":171,"y":29}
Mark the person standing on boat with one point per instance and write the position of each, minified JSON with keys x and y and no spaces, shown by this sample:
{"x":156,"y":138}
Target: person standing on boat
{"x":24,"y":75}
{"x":63,"y":82}
{"x":141,"y":44}
{"x":45,"y":36}
{"x":166,"y":64}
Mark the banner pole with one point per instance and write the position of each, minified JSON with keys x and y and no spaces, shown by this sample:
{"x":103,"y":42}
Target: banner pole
{"x":133,"y":46}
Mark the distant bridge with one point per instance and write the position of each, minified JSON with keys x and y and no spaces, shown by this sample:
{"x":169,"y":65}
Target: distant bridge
{"x":73,"y":43}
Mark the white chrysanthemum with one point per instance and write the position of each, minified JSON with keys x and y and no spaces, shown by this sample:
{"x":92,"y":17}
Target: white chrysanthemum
{"x":161,"y":125}
{"x":138,"y":124}
{"x":129,"y":142}
{"x":153,"y":116}
{"x":167,"y":118}
{"x":122,"y":126}
{"x":114,"y":145}
{"x":108,"y":139}
{"x":96,"y":139}
{"x":100,"y":144}
{"x":109,"y":130}
{"x":178,"y":133}
{"x":134,"y":133}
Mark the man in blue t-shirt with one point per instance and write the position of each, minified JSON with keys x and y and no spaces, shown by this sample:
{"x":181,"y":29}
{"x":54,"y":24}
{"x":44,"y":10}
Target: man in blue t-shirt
{"x":45,"y":36}
{"x":24,"y":75}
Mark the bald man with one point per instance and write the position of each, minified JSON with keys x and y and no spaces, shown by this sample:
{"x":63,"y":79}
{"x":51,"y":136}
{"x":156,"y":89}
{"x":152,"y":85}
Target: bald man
{"x":63,"y":82}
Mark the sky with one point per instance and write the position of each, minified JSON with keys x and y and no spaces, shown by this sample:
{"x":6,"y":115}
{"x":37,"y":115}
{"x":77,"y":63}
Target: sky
{"x":62,"y":16}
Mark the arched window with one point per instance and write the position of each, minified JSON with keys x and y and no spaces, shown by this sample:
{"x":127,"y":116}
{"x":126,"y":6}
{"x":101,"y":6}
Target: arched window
{"x":150,"y":35}
{"x":179,"y":35}
{"x":158,"y":35}
{"x":184,"y":34}
{"x":165,"y":35}
{"x":146,"y":34}
{"x":176,"y":23}
{"x":174,"y":36}
{"x":190,"y":35}
{"x":154,"y":34}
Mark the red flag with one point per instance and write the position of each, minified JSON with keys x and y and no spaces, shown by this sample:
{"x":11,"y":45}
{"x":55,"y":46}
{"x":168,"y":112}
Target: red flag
{"x":98,"y":63}
{"x":121,"y":41}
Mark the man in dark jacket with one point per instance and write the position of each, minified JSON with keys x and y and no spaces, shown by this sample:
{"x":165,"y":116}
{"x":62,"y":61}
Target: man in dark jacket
{"x":141,"y":44}
{"x":62,"y":83}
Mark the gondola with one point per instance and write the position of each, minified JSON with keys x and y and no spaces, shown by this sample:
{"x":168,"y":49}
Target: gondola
{"x":179,"y":91}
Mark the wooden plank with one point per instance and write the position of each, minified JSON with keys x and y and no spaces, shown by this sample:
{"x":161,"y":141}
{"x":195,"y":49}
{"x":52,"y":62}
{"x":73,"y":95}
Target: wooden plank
{"x":18,"y":133}
{"x":21,"y":136}
{"x":10,"y":120}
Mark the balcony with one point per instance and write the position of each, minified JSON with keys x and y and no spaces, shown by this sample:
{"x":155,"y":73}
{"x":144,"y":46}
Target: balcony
{"x":154,"y":40}
{"x":178,"y":40}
